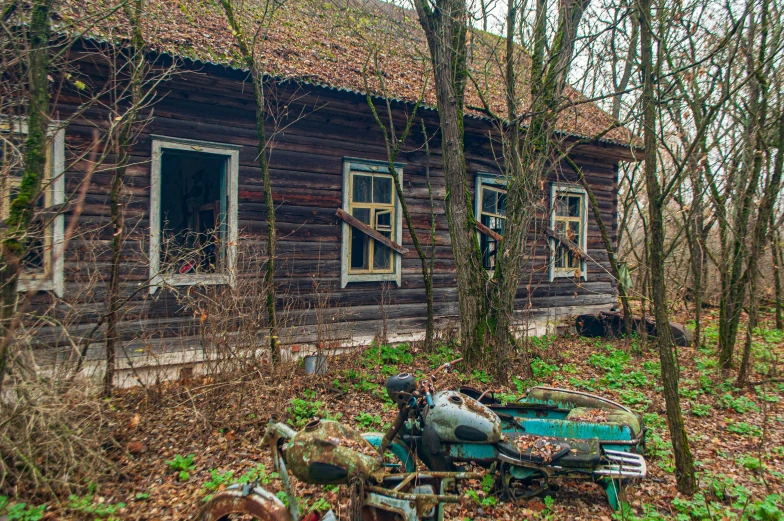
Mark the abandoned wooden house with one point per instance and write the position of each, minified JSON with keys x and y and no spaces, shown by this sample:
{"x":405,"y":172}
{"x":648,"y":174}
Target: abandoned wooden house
{"x":194,"y":180}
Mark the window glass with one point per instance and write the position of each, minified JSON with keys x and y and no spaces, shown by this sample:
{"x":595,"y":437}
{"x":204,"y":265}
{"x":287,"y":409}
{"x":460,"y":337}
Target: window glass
{"x":382,"y":190}
{"x":362,"y":188}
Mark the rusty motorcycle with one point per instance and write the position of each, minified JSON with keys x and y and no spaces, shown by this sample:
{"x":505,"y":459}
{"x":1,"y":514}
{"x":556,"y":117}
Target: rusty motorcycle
{"x":329,"y":453}
{"x":551,"y":433}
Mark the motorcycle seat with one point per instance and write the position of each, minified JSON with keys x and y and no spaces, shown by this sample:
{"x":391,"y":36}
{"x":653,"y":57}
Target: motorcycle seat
{"x":570,"y":453}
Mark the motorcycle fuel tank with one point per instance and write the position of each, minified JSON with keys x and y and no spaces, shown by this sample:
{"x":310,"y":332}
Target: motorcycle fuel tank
{"x":459,"y":418}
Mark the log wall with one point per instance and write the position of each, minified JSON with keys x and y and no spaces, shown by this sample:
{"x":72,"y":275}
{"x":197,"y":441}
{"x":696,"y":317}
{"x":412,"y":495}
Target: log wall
{"x":318,"y":127}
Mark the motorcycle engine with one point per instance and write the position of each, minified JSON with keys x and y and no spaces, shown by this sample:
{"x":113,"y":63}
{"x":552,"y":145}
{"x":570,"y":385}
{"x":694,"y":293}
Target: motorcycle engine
{"x":400,"y":387}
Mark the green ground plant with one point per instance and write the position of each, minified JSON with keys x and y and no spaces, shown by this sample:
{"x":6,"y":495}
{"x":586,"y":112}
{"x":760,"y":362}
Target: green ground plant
{"x":20,"y":511}
{"x":182,"y":465}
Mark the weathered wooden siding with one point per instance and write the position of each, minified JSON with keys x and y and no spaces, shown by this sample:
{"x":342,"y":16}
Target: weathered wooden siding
{"x":323,"y":126}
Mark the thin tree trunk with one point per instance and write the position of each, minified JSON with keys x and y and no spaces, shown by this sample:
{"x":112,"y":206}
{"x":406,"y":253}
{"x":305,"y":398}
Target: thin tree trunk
{"x":684,"y":463}
{"x":123,"y":143}
{"x":738,"y":281}
{"x":764,"y":214}
{"x":21,"y":211}
{"x":430,"y":331}
{"x":776,"y":254}
{"x":597,"y":215}
{"x":257,"y":77}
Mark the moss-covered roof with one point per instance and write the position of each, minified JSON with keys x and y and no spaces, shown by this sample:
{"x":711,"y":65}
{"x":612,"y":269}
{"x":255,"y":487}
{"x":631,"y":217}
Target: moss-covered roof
{"x":326,"y":42}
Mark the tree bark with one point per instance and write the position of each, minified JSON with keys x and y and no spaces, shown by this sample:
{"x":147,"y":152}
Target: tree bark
{"x":684,"y":463}
{"x":21,"y":211}
{"x":445,"y":26}
{"x":775,"y":250}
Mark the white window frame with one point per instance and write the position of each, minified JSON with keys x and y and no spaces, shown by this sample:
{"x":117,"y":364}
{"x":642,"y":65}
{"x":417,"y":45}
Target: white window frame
{"x":567,"y":188}
{"x":55,"y":282}
{"x":232,"y":154}
{"x":352,"y":164}
{"x":493,"y":181}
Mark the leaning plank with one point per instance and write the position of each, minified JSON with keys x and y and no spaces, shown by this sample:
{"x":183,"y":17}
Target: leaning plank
{"x":487,"y":231}
{"x":566,"y":242}
{"x":370,"y":232}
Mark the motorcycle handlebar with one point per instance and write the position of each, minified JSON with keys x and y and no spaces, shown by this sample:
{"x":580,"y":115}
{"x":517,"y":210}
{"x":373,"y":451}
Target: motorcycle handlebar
{"x":447,"y":366}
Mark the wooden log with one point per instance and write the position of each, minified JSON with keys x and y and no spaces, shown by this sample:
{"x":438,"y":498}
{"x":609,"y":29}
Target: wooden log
{"x":370,"y":232}
{"x":487,"y":231}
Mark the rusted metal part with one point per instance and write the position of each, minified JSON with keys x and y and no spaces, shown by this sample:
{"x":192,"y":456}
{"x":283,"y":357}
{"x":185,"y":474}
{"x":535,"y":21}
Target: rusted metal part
{"x":256,"y":502}
{"x":277,"y":435}
{"x":413,"y":497}
{"x":389,"y":435}
{"x":328,"y":452}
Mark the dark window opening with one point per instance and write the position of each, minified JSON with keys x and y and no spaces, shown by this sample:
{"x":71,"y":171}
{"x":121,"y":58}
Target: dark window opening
{"x":193,"y":212}
{"x":493,"y":215}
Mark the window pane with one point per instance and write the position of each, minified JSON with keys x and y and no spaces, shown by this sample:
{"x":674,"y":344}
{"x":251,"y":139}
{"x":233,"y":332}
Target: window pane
{"x":561,"y":206}
{"x":501,"y":203}
{"x":192,"y":211}
{"x":575,"y":205}
{"x":382,"y":254}
{"x":382,"y":190}
{"x":560,"y":257}
{"x":363,"y":186}
{"x":574,"y":232}
{"x":360,"y":246}
{"x":489,"y":201}
{"x":363,"y":214}
{"x":383,"y":221}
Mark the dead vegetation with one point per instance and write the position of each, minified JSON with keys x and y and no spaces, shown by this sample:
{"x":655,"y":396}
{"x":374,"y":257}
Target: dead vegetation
{"x":737,"y":433}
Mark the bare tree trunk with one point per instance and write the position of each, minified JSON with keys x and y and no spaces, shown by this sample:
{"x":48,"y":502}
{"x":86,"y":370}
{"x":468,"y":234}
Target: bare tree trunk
{"x":393,"y":145}
{"x":597,"y":215}
{"x":445,"y":26}
{"x":764,"y":214}
{"x":756,"y":100}
{"x":21,"y":211}
{"x":684,"y":463}
{"x":775,"y":250}
{"x":430,"y":331}
{"x":257,"y":77}
{"x":123,"y":143}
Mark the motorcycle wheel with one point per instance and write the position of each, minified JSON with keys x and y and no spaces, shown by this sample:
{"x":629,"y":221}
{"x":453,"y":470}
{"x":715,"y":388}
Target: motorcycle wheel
{"x":242,"y":503}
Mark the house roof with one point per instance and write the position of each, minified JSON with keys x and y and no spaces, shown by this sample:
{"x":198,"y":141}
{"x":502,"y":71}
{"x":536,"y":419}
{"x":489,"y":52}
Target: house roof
{"x":328,"y":42}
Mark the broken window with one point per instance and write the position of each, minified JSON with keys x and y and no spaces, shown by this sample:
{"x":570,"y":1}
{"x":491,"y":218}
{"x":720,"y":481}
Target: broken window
{"x":193,"y":211}
{"x":568,"y":223}
{"x":492,"y":213}
{"x":370,"y":199}
{"x":39,"y":267}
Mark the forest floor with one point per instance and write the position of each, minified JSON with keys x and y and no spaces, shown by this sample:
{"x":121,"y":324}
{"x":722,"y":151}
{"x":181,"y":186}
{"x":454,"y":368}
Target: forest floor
{"x":180,"y":442}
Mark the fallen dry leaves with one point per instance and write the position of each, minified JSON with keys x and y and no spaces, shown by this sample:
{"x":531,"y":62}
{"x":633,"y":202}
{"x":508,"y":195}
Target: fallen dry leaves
{"x":222,"y":422}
